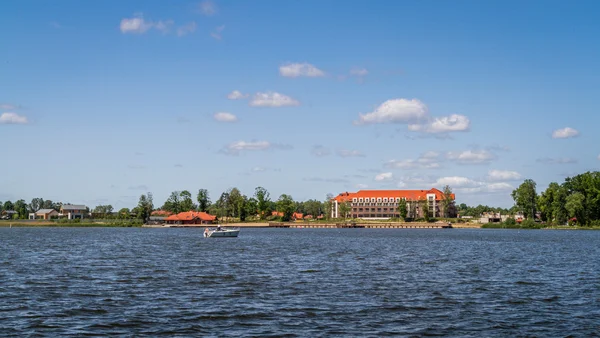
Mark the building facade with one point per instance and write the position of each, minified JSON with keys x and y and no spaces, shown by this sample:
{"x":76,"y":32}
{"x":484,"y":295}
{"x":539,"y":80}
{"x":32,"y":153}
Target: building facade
{"x":73,"y":211}
{"x":383,"y":204}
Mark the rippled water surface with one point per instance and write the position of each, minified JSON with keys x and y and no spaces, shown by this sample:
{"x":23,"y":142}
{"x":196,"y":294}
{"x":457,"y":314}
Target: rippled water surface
{"x":299,"y":282}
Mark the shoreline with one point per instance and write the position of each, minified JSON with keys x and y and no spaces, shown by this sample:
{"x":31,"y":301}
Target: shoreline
{"x":292,"y":225}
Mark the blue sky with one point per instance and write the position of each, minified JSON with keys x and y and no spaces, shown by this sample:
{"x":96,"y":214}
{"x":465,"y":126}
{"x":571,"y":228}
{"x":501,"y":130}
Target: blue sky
{"x":102,"y":101}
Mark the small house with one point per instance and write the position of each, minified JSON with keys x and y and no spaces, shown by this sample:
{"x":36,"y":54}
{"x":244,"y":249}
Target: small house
{"x":8,"y":214}
{"x":44,"y":214}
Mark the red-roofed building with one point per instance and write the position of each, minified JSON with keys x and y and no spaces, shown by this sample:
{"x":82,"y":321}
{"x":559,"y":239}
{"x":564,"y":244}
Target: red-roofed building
{"x":384,"y":203}
{"x":191,"y":218}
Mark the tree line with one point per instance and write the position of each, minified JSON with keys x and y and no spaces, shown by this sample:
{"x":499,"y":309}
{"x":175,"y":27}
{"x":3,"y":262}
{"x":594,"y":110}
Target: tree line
{"x":230,"y":204}
{"x":575,"y":201}
{"x":233,"y":203}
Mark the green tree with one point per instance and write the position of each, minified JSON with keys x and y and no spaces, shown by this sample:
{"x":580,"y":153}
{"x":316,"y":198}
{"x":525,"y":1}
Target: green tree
{"x":8,"y":205}
{"x":203,"y":200}
{"x":22,"y":209}
{"x":251,"y":207}
{"x":424,"y":206}
{"x":285,"y":205}
{"x":448,"y":202}
{"x":104,"y":210}
{"x":124,"y":213}
{"x":313,"y":207}
{"x":328,"y":206}
{"x":186,"y":203}
{"x":546,"y":202}
{"x":559,"y":212}
{"x":235,"y":202}
{"x":575,"y":207}
{"x":36,"y":204}
{"x":173,"y":203}
{"x":344,"y":208}
{"x":220,"y":206}
{"x":262,"y":196}
{"x":525,"y":198}
{"x":48,"y":204}
{"x":145,"y":207}
{"x":588,"y":184}
{"x":402,"y":209}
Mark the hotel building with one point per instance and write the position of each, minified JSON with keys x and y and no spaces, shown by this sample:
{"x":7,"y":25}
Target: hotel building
{"x":382,"y":204}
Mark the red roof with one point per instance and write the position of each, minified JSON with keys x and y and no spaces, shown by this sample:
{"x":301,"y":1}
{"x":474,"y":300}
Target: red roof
{"x":407,"y":194}
{"x":297,"y":215}
{"x":190,"y":215}
{"x":277,"y":213}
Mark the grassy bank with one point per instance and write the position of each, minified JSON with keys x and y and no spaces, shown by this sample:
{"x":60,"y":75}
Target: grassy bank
{"x":73,"y":224}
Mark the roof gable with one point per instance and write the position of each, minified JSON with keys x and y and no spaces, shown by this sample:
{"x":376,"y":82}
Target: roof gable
{"x":191,"y":215}
{"x":45,"y":211}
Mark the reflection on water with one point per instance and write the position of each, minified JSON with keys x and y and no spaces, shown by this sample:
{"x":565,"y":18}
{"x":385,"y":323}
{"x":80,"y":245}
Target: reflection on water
{"x":299,"y":282}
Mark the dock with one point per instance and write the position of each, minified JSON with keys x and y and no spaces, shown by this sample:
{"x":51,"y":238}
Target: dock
{"x":361,"y":225}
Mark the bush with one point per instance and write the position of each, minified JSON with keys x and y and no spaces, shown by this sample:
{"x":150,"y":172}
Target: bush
{"x":594,"y":223}
{"x":510,"y":221}
{"x":528,"y":223}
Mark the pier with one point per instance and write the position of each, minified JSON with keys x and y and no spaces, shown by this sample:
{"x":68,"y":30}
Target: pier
{"x":361,"y":225}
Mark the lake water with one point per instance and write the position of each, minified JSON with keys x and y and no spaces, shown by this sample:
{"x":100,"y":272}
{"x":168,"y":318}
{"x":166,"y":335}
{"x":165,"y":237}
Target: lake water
{"x":299,"y":282}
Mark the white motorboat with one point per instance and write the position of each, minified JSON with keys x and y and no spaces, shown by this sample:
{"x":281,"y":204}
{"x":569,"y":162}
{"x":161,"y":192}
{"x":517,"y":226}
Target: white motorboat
{"x":221,"y":232}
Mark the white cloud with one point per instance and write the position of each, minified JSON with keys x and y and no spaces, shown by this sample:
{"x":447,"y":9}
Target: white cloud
{"x":349,"y":153}
{"x":466,"y":185}
{"x":502,"y":186}
{"x":216,"y":34}
{"x":428,"y":160}
{"x":503,"y":175}
{"x":457,"y":182}
{"x":454,"y":122}
{"x":559,"y":160}
{"x":237,"y":95}
{"x":163,"y":26}
{"x":138,"y":25}
{"x":208,"y":8}
{"x":13,"y":118}
{"x":186,"y":29}
{"x":359,"y":72}
{"x":135,"y":25}
{"x":384,"y":177}
{"x":565,"y":133}
{"x":471,"y":157}
{"x":240,"y":146}
{"x":361,"y":186}
{"x":259,"y":169}
{"x":272,"y":99}
{"x":395,"y":111}
{"x":599,"y":157}
{"x":6,"y":106}
{"x":320,"y":151}
{"x":225,"y":117}
{"x":300,"y":69}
